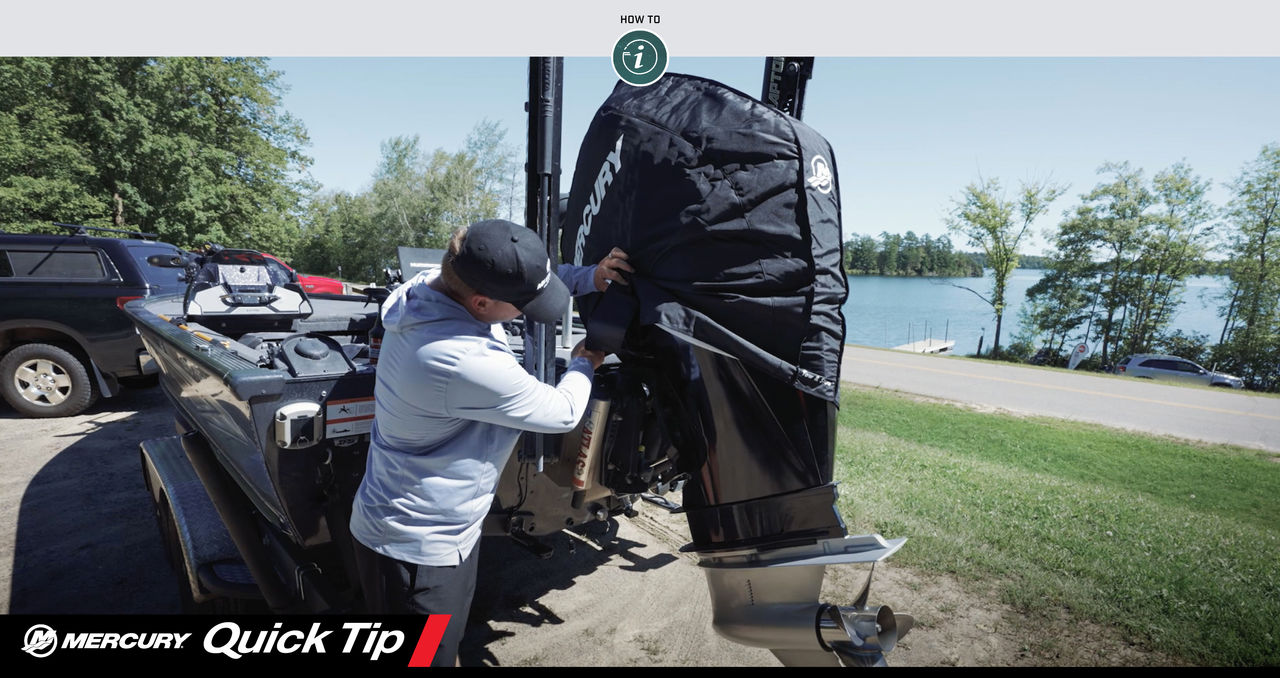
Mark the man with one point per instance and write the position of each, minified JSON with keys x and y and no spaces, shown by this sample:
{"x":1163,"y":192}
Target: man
{"x":451,"y":400}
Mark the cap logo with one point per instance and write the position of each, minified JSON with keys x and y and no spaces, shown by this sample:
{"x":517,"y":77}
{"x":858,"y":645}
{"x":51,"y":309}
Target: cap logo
{"x":547,"y":279}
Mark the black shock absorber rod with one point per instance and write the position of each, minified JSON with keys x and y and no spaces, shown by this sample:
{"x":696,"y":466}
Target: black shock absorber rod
{"x":542,"y":213}
{"x":784,"y":82}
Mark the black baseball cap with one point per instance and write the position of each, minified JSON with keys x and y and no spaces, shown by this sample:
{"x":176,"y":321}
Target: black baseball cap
{"x":508,"y":262}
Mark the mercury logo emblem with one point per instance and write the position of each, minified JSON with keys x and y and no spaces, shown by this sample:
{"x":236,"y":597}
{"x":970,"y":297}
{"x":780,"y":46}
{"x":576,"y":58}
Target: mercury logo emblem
{"x":40,"y":641}
{"x":612,"y":163}
{"x":820,"y":175}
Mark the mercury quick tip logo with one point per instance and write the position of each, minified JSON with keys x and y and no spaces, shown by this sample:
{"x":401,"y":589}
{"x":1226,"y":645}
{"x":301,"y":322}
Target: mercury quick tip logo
{"x":40,"y":641}
{"x":368,"y":641}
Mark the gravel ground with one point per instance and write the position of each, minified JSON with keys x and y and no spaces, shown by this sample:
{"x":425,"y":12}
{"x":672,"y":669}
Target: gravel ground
{"x":77,"y":537}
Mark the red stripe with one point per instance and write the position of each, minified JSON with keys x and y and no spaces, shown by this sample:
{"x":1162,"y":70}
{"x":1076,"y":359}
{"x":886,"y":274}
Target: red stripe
{"x":429,"y":641}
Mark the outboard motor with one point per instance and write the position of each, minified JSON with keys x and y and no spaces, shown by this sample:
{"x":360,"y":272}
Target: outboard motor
{"x":732,"y":326}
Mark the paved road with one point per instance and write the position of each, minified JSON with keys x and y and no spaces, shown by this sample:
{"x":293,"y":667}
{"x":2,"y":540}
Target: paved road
{"x":1213,"y":415}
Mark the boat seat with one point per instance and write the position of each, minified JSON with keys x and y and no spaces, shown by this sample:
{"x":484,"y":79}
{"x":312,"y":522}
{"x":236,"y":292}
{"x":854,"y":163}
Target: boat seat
{"x":235,"y":293}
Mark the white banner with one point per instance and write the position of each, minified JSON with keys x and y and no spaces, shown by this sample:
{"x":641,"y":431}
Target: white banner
{"x":1080,"y":353}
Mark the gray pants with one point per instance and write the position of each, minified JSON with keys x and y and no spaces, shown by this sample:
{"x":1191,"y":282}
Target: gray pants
{"x":396,"y":587}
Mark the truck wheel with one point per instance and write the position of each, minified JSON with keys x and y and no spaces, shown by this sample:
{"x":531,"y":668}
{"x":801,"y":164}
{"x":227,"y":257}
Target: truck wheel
{"x":42,"y":380}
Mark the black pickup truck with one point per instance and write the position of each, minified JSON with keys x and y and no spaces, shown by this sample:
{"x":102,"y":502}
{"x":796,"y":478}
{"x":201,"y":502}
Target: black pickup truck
{"x":64,"y":338}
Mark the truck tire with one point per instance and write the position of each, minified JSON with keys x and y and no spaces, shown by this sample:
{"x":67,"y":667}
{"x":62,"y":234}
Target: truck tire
{"x":43,"y":380}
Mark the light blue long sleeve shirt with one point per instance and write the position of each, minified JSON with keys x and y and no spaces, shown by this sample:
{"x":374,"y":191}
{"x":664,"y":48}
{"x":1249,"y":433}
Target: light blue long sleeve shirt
{"x":451,"y":400}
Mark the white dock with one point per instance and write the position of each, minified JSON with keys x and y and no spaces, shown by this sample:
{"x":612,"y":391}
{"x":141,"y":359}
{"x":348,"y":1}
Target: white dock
{"x":928,"y":346}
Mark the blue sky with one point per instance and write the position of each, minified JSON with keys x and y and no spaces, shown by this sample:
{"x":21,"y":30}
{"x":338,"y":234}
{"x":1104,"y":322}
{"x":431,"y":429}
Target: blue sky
{"x":908,"y":133}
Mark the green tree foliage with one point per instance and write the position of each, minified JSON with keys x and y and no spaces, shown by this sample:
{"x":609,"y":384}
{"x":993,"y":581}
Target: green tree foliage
{"x":912,"y":260}
{"x":907,"y":255}
{"x":417,"y":199}
{"x":860,"y":255}
{"x":338,"y":238}
{"x":1193,"y":346}
{"x":1250,"y":342}
{"x":887,"y":260}
{"x":498,"y":176}
{"x":1127,"y":248}
{"x":194,"y":149}
{"x":1176,"y":240}
{"x":44,"y":174}
{"x":1030,"y":261}
{"x":1056,"y":305}
{"x":997,"y":226}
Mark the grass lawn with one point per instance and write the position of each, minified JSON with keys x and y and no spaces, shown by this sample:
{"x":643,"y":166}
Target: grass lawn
{"x":1176,"y":545}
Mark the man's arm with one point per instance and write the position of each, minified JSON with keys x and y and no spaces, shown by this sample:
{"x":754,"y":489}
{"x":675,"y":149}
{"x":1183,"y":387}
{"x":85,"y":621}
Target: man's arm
{"x":492,"y":387}
{"x":579,"y":279}
{"x":595,"y":278}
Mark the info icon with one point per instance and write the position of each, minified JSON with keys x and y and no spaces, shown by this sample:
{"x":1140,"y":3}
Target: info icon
{"x":640,"y":58}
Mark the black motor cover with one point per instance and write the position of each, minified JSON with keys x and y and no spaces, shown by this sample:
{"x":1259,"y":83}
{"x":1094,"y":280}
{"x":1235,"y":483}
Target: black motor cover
{"x":729,"y":211}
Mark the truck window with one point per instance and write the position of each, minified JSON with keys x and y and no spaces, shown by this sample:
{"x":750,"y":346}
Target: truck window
{"x":279,"y":274}
{"x":162,"y":279}
{"x":67,"y":265}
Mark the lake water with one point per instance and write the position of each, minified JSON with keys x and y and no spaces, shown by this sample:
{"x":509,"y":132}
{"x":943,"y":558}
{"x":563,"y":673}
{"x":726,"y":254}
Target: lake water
{"x":891,"y":311}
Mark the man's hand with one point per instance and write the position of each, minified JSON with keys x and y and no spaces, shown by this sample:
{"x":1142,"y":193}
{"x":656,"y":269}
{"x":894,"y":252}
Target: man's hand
{"x":610,"y":269}
{"x":596,"y":357}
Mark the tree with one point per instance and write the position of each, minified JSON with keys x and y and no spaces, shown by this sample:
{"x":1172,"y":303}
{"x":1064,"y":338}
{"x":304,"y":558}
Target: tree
{"x":339,"y":238}
{"x":45,"y":175}
{"x":997,"y":225}
{"x":907,"y":255}
{"x":222,"y":160}
{"x":887,"y":260}
{"x":860,"y":254}
{"x":952,"y":263}
{"x":912,"y":259}
{"x":1176,"y":241}
{"x":929,"y":259}
{"x":416,"y":200}
{"x":1251,"y":330}
{"x":1058,"y":303}
{"x":497,"y":172}
{"x":1129,"y":247}
{"x":194,"y":149}
{"x":1111,"y":225}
